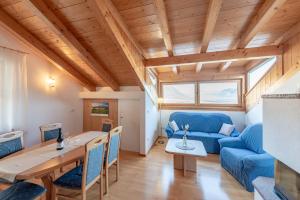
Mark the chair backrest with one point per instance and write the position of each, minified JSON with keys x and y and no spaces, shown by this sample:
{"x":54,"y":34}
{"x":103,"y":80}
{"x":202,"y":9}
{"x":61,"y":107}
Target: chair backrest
{"x":252,"y":137}
{"x":93,"y":161}
{"x":11,"y":142}
{"x":114,"y":139}
{"x":107,"y":125}
{"x":50,"y":131}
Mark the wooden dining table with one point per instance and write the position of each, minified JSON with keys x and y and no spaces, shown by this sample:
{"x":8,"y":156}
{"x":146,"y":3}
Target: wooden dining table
{"x":46,"y":170}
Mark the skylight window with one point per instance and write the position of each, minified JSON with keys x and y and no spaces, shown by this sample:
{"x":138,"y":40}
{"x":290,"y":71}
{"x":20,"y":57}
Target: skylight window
{"x":258,"y":72}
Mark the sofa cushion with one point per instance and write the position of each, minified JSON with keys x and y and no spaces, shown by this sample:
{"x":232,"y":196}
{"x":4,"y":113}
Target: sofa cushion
{"x":201,"y":122}
{"x":232,"y":160}
{"x":252,"y":138}
{"x":226,"y":129}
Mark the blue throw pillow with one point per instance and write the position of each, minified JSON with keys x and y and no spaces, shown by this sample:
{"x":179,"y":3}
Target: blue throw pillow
{"x":252,"y":138}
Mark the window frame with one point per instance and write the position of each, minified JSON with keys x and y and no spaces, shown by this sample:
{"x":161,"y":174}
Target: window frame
{"x":197,"y":105}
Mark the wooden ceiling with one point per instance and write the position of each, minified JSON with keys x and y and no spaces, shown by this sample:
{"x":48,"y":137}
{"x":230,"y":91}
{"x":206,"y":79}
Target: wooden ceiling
{"x":93,"y":41}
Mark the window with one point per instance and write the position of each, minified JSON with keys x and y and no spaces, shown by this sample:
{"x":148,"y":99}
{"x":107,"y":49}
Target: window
{"x":225,"y":92}
{"x":183,"y":93}
{"x":204,"y":94}
{"x":258,"y":72}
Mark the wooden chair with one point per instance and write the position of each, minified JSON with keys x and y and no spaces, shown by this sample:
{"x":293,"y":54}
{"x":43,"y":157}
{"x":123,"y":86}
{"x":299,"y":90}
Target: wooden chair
{"x":11,"y":142}
{"x":22,"y":191}
{"x":81,"y":178}
{"x":50,"y":131}
{"x":107,"y":125}
{"x":112,"y":153}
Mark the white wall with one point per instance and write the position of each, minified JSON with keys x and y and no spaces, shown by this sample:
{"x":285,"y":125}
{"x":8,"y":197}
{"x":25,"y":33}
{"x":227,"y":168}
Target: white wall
{"x":151,"y":123}
{"x":292,"y":85}
{"x":129,"y":113}
{"x":137,"y":114}
{"x":238,"y":118}
{"x":60,"y":104}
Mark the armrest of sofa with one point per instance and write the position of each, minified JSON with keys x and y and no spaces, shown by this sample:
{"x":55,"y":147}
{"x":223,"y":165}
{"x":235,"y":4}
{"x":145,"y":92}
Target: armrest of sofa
{"x":259,"y":161}
{"x":232,"y":142}
{"x":169,"y":131}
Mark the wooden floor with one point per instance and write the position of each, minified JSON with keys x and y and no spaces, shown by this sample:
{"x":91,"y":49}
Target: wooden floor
{"x":153,"y":177}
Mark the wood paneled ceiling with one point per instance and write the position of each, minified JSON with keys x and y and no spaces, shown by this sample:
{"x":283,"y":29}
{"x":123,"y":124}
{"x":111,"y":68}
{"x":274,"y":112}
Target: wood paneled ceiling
{"x":72,"y":33}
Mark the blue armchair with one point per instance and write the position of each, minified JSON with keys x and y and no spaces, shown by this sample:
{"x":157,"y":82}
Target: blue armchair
{"x":244,"y":157}
{"x":203,"y":126}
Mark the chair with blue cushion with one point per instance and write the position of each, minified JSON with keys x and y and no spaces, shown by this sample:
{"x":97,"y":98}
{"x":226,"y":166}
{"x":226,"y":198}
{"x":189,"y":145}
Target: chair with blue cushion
{"x":107,"y":125}
{"x":112,"y":153}
{"x":11,"y":142}
{"x":244,"y":157}
{"x":22,"y":191}
{"x":50,"y":131}
{"x":81,"y":178}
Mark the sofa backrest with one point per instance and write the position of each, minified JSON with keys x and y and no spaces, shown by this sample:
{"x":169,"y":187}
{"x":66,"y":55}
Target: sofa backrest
{"x":253,"y":138}
{"x":201,"y":122}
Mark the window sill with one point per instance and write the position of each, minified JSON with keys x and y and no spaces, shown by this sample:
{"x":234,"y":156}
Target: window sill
{"x":202,"y":107}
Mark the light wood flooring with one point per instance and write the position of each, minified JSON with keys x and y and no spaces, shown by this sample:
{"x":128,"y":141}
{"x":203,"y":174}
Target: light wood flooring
{"x":153,"y":177}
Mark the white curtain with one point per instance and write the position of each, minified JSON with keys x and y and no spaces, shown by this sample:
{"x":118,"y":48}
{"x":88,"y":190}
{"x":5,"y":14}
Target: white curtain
{"x":13,"y":90}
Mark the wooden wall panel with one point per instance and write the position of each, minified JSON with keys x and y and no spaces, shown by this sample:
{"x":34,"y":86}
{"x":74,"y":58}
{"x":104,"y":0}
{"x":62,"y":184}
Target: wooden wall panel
{"x":285,"y":67}
{"x":93,"y":123}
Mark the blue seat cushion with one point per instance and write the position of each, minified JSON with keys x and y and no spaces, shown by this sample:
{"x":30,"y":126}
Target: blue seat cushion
{"x":9,"y":147}
{"x":209,"y":140}
{"x":232,"y":160}
{"x":22,"y":191}
{"x":51,"y":134}
{"x":71,"y":179}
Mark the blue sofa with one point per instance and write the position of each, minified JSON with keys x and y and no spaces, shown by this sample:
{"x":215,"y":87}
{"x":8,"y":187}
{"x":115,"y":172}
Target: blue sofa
{"x":244,"y":157}
{"x":203,"y":126}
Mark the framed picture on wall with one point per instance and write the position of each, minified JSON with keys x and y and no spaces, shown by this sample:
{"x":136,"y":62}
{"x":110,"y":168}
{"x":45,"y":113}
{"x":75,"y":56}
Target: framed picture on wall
{"x":100,"y":109}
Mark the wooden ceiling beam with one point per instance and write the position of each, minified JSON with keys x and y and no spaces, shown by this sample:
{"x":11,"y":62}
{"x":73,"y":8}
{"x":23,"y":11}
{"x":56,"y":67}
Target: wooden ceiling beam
{"x":218,"y":56}
{"x":163,"y":23}
{"x":264,"y":14}
{"x":206,"y":74}
{"x":214,"y":8}
{"x":30,"y":40}
{"x":103,"y":11}
{"x":294,"y":30}
{"x":42,"y":10}
{"x":120,"y":21}
{"x":161,"y":13}
{"x":211,"y":20}
{"x":225,"y":66}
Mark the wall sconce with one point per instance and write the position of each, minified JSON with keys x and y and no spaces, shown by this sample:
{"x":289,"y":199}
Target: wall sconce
{"x":160,"y":101}
{"x":51,"y":82}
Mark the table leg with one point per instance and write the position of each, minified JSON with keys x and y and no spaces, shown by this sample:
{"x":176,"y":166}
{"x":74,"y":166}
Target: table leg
{"x":184,"y":165}
{"x":47,"y":180}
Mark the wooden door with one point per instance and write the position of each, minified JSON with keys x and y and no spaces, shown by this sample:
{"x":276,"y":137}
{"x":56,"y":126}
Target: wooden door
{"x":92,"y":121}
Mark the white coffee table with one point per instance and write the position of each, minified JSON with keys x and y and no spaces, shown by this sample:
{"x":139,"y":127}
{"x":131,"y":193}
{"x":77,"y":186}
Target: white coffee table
{"x":185,"y":159}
